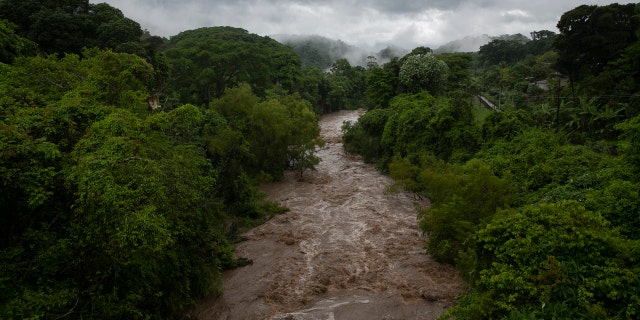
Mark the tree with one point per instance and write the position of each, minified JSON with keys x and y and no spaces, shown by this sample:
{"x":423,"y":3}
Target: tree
{"x":144,"y":220}
{"x":78,"y":24}
{"x":12,"y":45}
{"x":552,"y":261}
{"x":117,"y":79}
{"x":304,"y":137}
{"x":206,"y":61}
{"x":423,"y":73}
{"x":541,"y":42}
{"x":314,"y":87}
{"x":381,"y":87}
{"x":498,"y":50}
{"x":459,"y":77}
{"x":423,"y":124}
{"x":115,"y":214}
{"x":113,"y":30}
{"x":346,"y":86}
{"x":592,"y":36}
{"x":464,"y":198}
{"x":278,"y":133}
{"x":421,"y":51}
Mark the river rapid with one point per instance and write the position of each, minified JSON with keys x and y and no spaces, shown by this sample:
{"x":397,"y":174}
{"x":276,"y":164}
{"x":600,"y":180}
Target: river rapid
{"x":347,"y":249}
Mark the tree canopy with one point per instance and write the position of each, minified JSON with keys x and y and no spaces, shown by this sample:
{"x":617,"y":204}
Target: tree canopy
{"x":592,"y":36}
{"x":78,"y":24}
{"x":423,"y":72}
{"x":206,"y":61}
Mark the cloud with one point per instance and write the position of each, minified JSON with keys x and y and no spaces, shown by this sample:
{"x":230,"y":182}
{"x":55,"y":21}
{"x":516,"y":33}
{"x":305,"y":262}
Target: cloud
{"x":368,"y":23}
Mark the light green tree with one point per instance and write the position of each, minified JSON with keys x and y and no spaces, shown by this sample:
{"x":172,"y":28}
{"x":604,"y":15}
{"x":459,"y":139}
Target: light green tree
{"x":425,"y":72}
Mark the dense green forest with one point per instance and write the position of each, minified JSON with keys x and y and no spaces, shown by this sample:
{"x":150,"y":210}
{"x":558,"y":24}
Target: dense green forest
{"x":111,"y":207}
{"x":535,"y":200}
{"x":129,"y":162}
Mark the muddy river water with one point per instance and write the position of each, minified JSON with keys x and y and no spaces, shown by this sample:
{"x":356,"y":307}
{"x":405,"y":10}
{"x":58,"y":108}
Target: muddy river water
{"x":347,"y":249}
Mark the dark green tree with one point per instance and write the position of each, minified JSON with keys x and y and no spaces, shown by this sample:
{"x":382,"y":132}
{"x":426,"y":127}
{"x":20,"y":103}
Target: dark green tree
{"x":113,"y":214}
{"x":346,"y":86}
{"x":553,"y":261}
{"x":71,"y":25}
{"x":381,"y":88}
{"x":206,"y":61}
{"x":12,"y":45}
{"x":496,"y":51}
{"x":592,"y":36}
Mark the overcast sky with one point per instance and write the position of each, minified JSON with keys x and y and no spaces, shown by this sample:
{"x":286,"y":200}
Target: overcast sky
{"x":364,"y":23}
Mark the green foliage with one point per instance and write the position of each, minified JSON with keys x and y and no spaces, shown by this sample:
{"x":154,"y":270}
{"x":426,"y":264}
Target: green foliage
{"x":314,"y":87}
{"x":553,"y":261}
{"x":411,"y":126}
{"x":505,"y":125}
{"x":459,"y":77}
{"x":619,"y":203}
{"x":499,"y":50}
{"x":69,"y":26}
{"x":117,"y":212}
{"x":425,"y":72}
{"x":304,"y":134}
{"x":101,"y":77}
{"x":131,"y":231}
{"x":206,"y":61}
{"x":544,"y":167}
{"x":364,"y":136}
{"x":148,"y":202}
{"x":117,"y":79}
{"x":464,"y":198}
{"x":278,"y":133}
{"x":12,"y":45}
{"x":592,"y":36}
{"x":346,"y":86}
{"x":381,"y":87}
{"x":422,"y":123}
{"x":630,"y":142}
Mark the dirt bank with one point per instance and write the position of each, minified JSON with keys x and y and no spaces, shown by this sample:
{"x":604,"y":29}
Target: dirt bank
{"x":348,"y":249}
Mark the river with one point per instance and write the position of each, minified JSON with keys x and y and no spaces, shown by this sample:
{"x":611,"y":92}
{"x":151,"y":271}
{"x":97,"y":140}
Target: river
{"x":347,"y":249}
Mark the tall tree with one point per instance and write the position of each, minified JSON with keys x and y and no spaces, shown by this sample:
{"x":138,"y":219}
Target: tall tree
{"x":498,"y":50}
{"x":592,"y":36}
{"x":206,"y":61}
{"x":423,"y":73}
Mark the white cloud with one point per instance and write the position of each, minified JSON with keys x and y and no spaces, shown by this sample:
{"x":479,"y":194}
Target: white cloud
{"x":406,"y":23}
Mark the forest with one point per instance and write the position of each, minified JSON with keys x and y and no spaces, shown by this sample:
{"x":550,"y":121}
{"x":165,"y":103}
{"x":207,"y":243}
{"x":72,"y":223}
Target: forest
{"x":130,"y":163}
{"x":536,"y":200}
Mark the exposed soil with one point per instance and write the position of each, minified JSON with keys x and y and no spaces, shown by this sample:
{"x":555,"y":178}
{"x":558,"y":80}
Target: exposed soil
{"x":348,"y":249}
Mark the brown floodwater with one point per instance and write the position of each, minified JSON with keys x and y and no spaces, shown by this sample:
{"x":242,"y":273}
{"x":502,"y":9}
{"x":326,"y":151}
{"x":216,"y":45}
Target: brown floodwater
{"x":347,"y":249}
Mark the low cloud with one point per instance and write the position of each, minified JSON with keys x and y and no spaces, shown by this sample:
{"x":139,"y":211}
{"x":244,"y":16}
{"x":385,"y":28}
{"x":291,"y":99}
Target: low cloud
{"x":373,"y":23}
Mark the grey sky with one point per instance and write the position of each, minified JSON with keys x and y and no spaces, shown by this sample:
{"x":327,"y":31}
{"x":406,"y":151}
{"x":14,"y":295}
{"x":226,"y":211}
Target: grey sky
{"x":365,"y":23}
